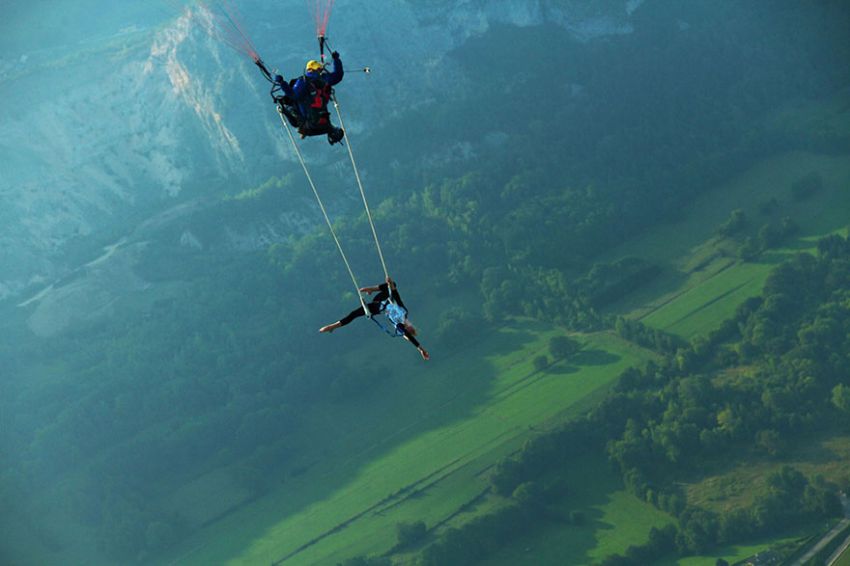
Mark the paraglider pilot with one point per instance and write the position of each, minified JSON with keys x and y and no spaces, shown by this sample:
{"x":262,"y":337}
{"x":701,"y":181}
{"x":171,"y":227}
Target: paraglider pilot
{"x":387,"y":302}
{"x":305,"y":100}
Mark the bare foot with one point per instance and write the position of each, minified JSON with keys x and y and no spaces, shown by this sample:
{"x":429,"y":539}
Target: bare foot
{"x":328,"y":328}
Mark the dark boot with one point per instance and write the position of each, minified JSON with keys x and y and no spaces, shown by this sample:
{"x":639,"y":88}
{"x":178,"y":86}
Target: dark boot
{"x":336,"y":136}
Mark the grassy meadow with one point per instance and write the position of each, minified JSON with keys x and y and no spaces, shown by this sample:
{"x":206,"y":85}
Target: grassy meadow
{"x":425,"y":456}
{"x":730,"y":487}
{"x":844,"y":559}
{"x":422,"y":456}
{"x":702,"y":285}
{"x":737,"y":553}
{"x":185,"y":410}
{"x":703,"y":280}
{"x":615,"y":519}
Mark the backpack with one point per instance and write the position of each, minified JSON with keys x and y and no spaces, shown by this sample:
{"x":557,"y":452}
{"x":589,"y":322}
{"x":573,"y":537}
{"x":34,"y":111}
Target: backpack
{"x":316,"y":102}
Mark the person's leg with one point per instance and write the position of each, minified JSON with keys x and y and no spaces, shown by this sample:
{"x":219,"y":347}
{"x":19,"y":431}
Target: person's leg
{"x":289,"y":114}
{"x":335,"y":135}
{"x":312,"y":129}
{"x":343,"y":321}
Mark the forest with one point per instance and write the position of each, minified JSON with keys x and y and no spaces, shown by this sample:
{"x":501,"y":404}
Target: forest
{"x":775,"y":372}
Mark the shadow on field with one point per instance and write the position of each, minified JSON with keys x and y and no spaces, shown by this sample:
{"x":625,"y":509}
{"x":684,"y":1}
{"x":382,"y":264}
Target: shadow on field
{"x":562,"y":368}
{"x":343,"y":440}
{"x":592,"y":511}
{"x":667,"y":281}
{"x":593,"y":482}
{"x":594,"y":358}
{"x":788,"y":251}
{"x":584,"y":358}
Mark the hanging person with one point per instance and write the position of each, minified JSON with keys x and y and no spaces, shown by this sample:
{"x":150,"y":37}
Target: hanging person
{"x":386,"y":302}
{"x":305,"y":100}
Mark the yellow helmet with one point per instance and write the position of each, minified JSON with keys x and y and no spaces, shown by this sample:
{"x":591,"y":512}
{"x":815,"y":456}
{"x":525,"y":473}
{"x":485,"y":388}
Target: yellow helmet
{"x":314,"y":66}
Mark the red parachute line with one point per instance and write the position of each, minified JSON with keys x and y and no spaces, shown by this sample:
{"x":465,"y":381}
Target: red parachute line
{"x":236,"y":19}
{"x":321,"y":13}
{"x":228,"y":26}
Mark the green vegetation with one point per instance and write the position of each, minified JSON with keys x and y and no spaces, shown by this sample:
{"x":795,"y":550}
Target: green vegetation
{"x":844,"y":559}
{"x":769,"y":373}
{"x":612,"y":520}
{"x":728,"y":487}
{"x":211,"y":423}
{"x":842,"y":534}
{"x":733,"y":554}
{"x":433,"y":470}
{"x":705,"y":283}
{"x":707,"y":305}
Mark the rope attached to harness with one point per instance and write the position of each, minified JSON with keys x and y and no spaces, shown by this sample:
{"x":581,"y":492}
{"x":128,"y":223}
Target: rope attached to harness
{"x":322,"y":208}
{"x":360,"y":185}
{"x":390,"y":309}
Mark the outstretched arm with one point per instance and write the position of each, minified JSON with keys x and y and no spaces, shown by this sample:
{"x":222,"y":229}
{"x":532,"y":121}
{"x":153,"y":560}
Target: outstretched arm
{"x":369,"y":290}
{"x":422,"y":352}
{"x":338,"y":72}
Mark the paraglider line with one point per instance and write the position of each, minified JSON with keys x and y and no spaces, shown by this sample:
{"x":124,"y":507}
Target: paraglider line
{"x":324,"y":212}
{"x":360,"y":185}
{"x":232,"y":15}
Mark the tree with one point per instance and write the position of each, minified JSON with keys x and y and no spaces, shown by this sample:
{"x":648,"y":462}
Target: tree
{"x":562,"y":347}
{"x":457,"y":326}
{"x":734,"y":525}
{"x":736,"y":222}
{"x":506,"y":476}
{"x":769,"y":235}
{"x":749,"y":248}
{"x":820,"y":500}
{"x":770,"y":442}
{"x":841,"y":398}
{"x":541,"y":363}
{"x":529,"y":494}
{"x":698,"y":530}
{"x":410,"y":533}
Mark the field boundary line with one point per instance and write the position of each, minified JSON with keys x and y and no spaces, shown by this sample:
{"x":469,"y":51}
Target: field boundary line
{"x":689,"y":289}
{"x":825,"y":540}
{"x":837,"y":554}
{"x":711,"y":302}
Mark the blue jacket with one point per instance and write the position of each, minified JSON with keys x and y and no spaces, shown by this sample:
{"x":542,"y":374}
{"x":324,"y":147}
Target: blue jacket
{"x":300,"y":91}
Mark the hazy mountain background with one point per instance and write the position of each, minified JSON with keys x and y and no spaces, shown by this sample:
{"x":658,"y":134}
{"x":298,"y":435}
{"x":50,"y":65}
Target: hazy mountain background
{"x":163,"y":268}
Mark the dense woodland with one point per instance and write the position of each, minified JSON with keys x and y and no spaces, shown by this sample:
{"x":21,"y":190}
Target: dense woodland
{"x":776,"y":371}
{"x":217,"y":372}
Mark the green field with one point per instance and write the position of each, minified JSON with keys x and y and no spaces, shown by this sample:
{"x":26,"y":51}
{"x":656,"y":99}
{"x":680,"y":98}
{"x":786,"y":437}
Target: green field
{"x":615,"y":520}
{"x":702,"y":285}
{"x":844,"y":559}
{"x":703,"y":281}
{"x":418,"y":453}
{"x":705,"y":306}
{"x":736,"y":553}
{"x":729,"y":487}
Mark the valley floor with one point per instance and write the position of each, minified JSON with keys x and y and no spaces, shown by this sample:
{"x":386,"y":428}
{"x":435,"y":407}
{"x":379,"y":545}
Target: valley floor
{"x":428,"y":452}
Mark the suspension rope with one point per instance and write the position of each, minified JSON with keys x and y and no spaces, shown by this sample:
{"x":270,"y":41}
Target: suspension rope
{"x":360,"y":185}
{"x":324,"y":212}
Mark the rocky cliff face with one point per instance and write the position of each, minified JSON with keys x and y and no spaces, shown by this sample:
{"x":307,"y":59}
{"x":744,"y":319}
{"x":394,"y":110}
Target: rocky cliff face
{"x":99,"y":135}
